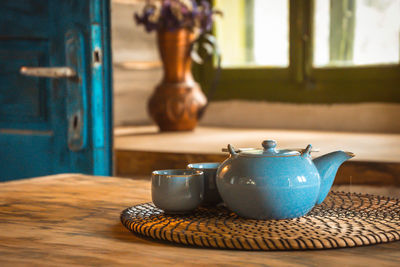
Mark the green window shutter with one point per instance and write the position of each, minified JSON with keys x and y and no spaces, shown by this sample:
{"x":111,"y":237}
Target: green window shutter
{"x":301,"y":82}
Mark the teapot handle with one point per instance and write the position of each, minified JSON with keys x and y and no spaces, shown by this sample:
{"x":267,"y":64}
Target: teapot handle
{"x":232,"y":151}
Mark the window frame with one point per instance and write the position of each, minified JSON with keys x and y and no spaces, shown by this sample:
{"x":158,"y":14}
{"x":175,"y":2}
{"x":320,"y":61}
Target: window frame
{"x":300,"y":82}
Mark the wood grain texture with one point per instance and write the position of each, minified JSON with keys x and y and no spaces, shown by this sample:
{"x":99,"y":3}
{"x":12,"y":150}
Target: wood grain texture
{"x":210,"y":140}
{"x":140,"y":150}
{"x":48,"y":33}
{"x":74,"y":219}
{"x":133,"y":163}
{"x":17,"y":22}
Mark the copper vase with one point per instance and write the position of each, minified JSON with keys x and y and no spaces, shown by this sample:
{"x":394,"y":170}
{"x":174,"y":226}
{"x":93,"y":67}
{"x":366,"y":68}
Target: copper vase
{"x":177,"y":101}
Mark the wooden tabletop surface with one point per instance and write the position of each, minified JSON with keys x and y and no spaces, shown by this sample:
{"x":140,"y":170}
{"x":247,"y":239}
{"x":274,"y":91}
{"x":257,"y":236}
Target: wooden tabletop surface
{"x":210,"y":140}
{"x":141,"y":149}
{"x":74,"y":219}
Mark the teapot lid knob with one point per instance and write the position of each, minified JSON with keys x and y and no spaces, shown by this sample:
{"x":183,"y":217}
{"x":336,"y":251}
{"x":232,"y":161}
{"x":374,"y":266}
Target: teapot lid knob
{"x":269,"y":144}
{"x":269,"y":151}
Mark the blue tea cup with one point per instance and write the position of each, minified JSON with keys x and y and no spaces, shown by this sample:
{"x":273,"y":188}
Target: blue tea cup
{"x":211,"y":194}
{"x":177,"y":191}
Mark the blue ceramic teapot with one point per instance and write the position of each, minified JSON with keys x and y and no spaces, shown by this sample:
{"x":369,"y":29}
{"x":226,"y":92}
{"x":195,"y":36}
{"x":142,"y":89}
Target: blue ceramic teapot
{"x":276,"y":184}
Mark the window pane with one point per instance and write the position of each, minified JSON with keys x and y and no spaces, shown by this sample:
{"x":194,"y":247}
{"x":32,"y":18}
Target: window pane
{"x":253,"y":32}
{"x":356,"y":32}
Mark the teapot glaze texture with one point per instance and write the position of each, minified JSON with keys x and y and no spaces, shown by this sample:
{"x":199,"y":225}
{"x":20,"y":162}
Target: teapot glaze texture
{"x":276,"y":184}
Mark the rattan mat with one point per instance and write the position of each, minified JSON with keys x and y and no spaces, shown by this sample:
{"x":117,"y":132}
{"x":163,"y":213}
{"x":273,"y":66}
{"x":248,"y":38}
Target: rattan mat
{"x":342,"y":220}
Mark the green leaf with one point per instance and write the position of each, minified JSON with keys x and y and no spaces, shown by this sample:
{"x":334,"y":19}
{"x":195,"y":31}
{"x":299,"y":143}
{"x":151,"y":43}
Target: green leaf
{"x":196,"y":57}
{"x":209,"y":48}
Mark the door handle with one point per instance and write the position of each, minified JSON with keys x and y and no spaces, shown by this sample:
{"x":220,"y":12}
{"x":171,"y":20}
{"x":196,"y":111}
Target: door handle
{"x":76,"y":103}
{"x":49,"y":72}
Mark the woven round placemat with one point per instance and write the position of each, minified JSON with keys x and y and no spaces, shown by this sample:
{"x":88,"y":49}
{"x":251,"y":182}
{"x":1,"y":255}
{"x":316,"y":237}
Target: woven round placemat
{"x":343,"y":220}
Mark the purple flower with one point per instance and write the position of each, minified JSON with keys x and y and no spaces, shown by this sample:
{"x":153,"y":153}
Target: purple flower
{"x":175,"y":14}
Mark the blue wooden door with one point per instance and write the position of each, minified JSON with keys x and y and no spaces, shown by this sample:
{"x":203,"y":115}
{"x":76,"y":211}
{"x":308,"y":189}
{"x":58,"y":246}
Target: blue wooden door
{"x":55,"y":120}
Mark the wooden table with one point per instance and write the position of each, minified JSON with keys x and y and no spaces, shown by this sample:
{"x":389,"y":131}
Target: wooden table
{"x":141,"y":149}
{"x":74,"y":219}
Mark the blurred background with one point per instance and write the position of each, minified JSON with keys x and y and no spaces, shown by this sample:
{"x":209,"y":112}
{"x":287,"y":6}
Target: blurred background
{"x":316,"y":65}
{"x":324,"y":72}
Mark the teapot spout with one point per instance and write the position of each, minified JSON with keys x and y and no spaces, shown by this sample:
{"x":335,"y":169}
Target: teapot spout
{"x":327,"y":166}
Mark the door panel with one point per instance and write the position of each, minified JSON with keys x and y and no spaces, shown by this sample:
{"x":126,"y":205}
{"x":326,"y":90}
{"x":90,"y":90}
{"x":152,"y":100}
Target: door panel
{"x":25,"y":18}
{"x":22,"y":99}
{"x":60,"y":125}
{"x":34,"y":154}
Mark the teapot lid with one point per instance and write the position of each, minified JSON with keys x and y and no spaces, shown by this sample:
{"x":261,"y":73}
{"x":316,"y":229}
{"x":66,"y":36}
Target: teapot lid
{"x":269,"y":151}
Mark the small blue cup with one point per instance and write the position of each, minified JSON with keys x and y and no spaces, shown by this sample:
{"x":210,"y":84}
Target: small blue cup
{"x":211,"y":194}
{"x":177,"y":191}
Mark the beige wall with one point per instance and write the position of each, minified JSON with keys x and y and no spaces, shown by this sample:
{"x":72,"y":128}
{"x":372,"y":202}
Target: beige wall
{"x":364,"y":117}
{"x":133,"y":86}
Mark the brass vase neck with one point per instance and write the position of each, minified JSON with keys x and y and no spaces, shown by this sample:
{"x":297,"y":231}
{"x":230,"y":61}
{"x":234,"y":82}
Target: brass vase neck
{"x":174,"y":47}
